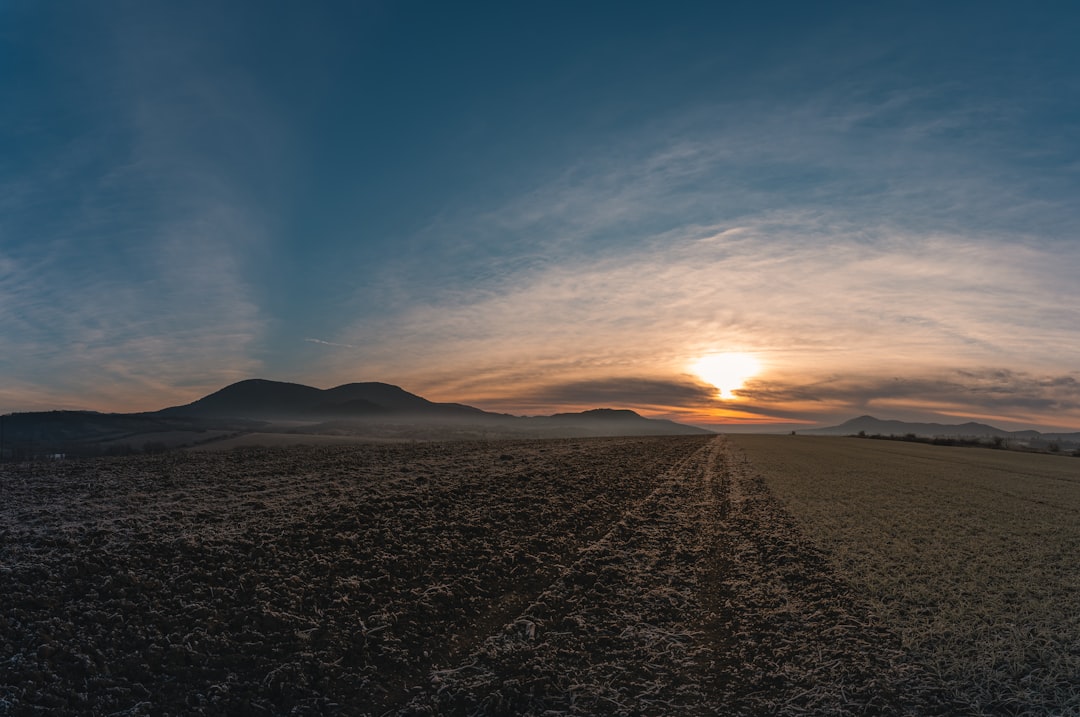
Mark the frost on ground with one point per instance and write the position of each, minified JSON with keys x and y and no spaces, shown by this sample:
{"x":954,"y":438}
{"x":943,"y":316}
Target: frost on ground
{"x":649,"y":576}
{"x":969,"y":555}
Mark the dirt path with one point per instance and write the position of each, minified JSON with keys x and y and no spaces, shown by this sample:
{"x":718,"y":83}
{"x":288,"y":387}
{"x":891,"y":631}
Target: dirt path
{"x":699,"y":601}
{"x":787,"y":634}
{"x":616,"y":630}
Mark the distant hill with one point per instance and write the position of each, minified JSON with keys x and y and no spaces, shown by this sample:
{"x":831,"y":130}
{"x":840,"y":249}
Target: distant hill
{"x":871,"y":425}
{"x":364,"y":403}
{"x":878,"y":427}
{"x":617,"y":422}
{"x":377,"y":410}
{"x":274,"y":400}
{"x":76,"y":433}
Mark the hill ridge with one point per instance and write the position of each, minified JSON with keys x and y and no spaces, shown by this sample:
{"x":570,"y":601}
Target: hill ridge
{"x":970,"y":429}
{"x":372,"y":409}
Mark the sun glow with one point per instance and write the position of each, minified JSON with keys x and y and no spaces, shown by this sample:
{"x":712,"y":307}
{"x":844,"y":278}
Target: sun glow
{"x":727,"y":371}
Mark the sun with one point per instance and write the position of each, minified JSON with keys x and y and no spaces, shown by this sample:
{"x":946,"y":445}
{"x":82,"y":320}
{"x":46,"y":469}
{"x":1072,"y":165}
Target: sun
{"x":727,"y":371}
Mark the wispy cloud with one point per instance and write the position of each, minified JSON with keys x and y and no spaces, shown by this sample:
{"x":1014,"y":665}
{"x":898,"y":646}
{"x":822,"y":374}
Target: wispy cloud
{"x":756,"y":283}
{"x":851,"y":233}
{"x":102,"y":338}
{"x":133,"y":292}
{"x":900,"y":305}
{"x":653,"y":395}
{"x":848,"y":162}
{"x":1013,"y":398}
{"x":329,"y":343}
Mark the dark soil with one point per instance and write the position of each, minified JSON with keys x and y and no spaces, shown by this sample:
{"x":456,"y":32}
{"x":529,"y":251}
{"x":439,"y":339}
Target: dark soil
{"x":592,"y":576}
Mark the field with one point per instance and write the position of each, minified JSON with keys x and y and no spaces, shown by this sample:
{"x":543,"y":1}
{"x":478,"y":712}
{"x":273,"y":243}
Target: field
{"x":972,"y":556}
{"x":651,"y":576}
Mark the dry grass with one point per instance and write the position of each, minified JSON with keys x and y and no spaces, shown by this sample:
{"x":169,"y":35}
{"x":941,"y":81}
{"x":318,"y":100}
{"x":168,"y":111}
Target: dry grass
{"x":972,"y":557}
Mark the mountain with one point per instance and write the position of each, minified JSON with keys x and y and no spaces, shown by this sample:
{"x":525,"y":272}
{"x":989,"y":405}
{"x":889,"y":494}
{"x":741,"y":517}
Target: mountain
{"x":254,"y":398}
{"x":259,"y":399}
{"x":877,"y":427}
{"x":599,"y":414}
{"x":274,"y":400}
{"x":371,"y":410}
{"x":617,"y":422}
{"x":394,"y":398}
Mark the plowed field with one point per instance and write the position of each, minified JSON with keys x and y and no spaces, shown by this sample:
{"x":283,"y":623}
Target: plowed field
{"x":636,"y":576}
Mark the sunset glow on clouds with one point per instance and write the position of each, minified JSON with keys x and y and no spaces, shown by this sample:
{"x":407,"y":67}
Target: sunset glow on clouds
{"x":548,"y":210}
{"x":856,"y":327}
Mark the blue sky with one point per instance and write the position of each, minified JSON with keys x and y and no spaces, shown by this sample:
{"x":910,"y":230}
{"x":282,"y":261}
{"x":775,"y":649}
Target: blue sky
{"x":545,"y":207}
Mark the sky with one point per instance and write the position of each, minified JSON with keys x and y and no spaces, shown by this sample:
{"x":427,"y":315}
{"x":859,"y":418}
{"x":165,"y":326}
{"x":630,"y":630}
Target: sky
{"x":541,"y":207}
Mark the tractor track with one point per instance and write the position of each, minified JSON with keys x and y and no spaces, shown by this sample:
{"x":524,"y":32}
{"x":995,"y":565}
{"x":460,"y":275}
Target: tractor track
{"x":617,"y":630}
{"x":701,"y":600}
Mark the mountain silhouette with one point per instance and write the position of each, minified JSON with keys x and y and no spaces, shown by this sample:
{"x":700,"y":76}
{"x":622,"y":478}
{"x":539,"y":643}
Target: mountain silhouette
{"x":371,"y":410}
{"x":275,"y":400}
{"x":876,"y":426}
{"x":871,"y":425}
{"x":352,"y":406}
{"x":616,"y":421}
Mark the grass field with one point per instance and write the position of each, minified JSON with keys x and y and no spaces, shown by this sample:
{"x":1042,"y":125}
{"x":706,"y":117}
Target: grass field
{"x":972,"y":556}
{"x":622,"y":576}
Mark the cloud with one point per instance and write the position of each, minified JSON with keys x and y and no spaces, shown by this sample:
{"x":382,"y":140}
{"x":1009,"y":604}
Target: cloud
{"x":851,"y":233}
{"x":740,"y":286}
{"x":903,"y":305}
{"x":329,"y":343}
{"x":101,"y":339}
{"x":650,"y":394}
{"x":127,"y":285}
{"x":900,"y":183}
{"x":997,"y":393}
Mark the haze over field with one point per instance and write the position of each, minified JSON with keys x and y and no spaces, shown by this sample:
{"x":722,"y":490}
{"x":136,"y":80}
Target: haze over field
{"x":780,"y":215}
